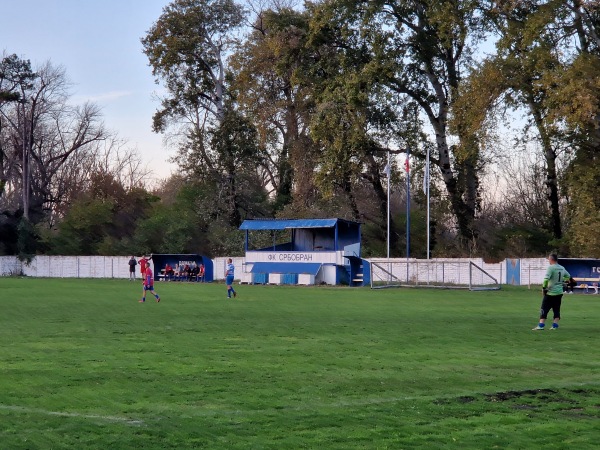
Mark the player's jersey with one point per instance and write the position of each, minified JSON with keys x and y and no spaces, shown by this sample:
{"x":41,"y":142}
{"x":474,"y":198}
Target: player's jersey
{"x":230,"y":270}
{"x":554,"y":279}
{"x":149,"y":278}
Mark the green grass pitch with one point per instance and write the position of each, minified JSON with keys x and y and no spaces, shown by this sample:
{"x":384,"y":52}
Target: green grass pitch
{"x":84,"y":365}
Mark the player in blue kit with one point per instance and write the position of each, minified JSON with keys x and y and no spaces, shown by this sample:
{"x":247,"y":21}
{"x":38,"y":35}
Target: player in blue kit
{"x":229,"y":274}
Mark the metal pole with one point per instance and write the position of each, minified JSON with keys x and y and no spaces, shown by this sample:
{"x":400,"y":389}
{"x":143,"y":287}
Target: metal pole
{"x":427,"y":194}
{"x":25,"y":168}
{"x":426,"y":187}
{"x":407,"y":166}
{"x":388,"y":170}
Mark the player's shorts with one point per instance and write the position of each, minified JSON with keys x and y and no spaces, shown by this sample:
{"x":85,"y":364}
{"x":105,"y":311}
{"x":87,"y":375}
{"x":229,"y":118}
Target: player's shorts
{"x":229,"y":280}
{"x":149,"y":288}
{"x":551,"y":302}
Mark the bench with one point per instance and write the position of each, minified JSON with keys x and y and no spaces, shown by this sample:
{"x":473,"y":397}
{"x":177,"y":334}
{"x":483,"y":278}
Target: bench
{"x":585,"y":284}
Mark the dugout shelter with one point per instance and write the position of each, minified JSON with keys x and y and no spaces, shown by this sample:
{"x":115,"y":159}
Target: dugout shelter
{"x":585,"y":271}
{"x":175,"y":260}
{"x":303,"y":251}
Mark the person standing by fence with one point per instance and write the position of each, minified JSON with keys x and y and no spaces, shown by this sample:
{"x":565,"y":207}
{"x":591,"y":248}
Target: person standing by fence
{"x":132,"y":264}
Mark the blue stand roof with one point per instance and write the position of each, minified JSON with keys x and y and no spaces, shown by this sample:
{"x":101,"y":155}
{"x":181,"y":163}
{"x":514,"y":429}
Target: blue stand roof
{"x":278,"y":224}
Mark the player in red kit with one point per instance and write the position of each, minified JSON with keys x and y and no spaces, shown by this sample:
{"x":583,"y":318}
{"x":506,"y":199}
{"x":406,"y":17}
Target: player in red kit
{"x":143,"y":264}
{"x":149,"y":284}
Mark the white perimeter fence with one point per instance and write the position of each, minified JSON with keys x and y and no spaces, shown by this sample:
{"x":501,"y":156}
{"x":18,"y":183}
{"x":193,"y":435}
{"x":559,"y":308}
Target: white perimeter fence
{"x":531,"y":271}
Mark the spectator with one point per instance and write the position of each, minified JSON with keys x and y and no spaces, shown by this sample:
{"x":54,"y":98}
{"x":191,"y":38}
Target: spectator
{"x":201,"y":273}
{"x":132,"y":264}
{"x":194,"y":272}
{"x":169,"y":272}
{"x":570,"y":285}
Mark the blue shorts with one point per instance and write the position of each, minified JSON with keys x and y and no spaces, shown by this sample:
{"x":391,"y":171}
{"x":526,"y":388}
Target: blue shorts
{"x":148,"y":288}
{"x":229,"y":280}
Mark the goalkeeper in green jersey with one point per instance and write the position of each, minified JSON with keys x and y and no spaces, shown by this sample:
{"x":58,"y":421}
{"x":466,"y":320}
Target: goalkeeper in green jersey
{"x":552,"y":287}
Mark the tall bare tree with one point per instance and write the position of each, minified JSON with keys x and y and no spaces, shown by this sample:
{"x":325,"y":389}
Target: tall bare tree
{"x":45,"y":144}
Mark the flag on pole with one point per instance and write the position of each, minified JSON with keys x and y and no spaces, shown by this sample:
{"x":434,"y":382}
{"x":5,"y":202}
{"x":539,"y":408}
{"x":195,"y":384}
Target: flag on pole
{"x":407,"y":165}
{"x":387,"y":170}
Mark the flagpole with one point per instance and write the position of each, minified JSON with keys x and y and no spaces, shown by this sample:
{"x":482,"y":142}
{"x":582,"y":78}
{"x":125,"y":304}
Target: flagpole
{"x":427,"y":194}
{"x":426,"y":182}
{"x":388,"y":171}
{"x":407,"y":166}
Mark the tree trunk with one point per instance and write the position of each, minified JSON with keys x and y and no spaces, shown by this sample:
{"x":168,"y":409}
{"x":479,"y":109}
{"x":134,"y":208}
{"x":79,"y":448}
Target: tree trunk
{"x":551,"y":175}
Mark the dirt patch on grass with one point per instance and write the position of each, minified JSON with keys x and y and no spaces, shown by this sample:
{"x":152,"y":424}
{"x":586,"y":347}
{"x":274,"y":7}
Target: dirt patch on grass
{"x":527,"y":398}
{"x":541,"y":394}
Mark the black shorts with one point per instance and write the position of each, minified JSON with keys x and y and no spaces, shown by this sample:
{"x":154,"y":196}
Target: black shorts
{"x":551,"y":302}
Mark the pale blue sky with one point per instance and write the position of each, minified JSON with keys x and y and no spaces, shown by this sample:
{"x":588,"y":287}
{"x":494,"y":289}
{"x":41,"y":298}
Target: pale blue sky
{"x":98,"y":43}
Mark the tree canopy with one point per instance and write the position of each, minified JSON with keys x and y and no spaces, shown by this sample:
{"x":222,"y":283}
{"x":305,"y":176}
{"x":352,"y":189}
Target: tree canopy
{"x":276,"y":110}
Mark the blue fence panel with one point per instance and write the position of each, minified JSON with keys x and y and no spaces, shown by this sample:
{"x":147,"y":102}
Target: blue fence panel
{"x":290,"y":278}
{"x":260,"y":278}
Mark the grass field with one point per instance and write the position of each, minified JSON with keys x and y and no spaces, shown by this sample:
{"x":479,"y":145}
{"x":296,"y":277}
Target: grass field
{"x":83,"y":365}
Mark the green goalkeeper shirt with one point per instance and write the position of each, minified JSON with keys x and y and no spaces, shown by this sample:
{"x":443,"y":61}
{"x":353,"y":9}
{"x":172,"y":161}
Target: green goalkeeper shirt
{"x":554,"y":279}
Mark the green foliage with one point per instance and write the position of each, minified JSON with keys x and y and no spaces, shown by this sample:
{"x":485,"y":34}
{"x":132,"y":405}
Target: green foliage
{"x":6,"y":96}
{"x":16,"y":76}
{"x":27,"y":240}
{"x":584,"y":207}
{"x":294,"y":119}
{"x":84,"y":227}
{"x":272,"y":88}
{"x":102,"y":220}
{"x":194,"y":221}
{"x":519,"y":241}
{"x":288,"y":367}
{"x":186,"y":48}
{"x":405,"y":55}
{"x":175,"y":228}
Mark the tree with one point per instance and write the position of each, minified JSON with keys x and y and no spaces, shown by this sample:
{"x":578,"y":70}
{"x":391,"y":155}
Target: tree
{"x":102,"y":219}
{"x":40,"y":136}
{"x":51,"y":151}
{"x":547,"y":62}
{"x":419,"y":51}
{"x":270,"y":89}
{"x":14,"y":74}
{"x":186,"y":49}
{"x":525,"y":55}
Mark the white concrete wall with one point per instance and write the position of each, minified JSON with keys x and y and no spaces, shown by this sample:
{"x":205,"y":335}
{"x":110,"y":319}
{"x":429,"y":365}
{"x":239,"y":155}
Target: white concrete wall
{"x":68,"y":266}
{"x":220,"y":263}
{"x":532,"y":269}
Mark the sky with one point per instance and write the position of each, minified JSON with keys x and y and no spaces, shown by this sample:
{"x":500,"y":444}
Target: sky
{"x":98,"y":44}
